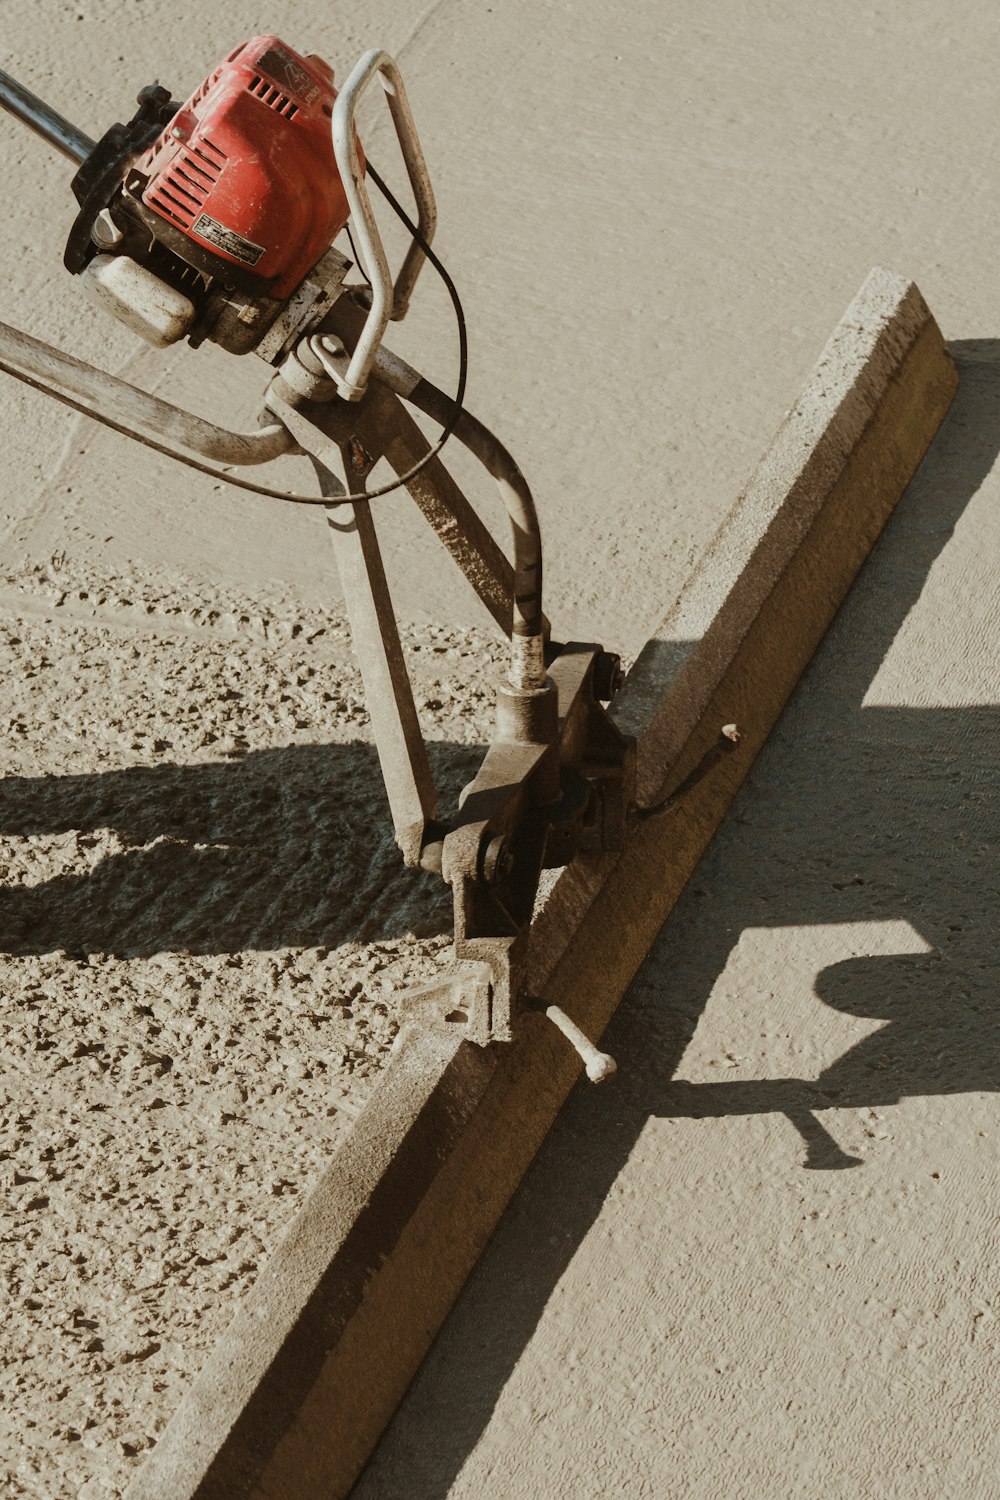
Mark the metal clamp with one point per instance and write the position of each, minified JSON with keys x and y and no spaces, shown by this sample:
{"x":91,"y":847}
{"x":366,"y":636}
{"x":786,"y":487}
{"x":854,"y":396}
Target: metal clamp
{"x":388,"y":300}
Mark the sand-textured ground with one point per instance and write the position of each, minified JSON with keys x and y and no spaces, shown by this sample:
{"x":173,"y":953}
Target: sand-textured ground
{"x":655,"y":216}
{"x":203,"y":922}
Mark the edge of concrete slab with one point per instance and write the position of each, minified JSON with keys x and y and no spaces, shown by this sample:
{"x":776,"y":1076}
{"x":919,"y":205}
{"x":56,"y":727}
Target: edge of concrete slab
{"x":296,"y":1394}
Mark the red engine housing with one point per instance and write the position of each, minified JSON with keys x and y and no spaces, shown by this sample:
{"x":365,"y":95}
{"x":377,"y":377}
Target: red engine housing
{"x":246,"y":170}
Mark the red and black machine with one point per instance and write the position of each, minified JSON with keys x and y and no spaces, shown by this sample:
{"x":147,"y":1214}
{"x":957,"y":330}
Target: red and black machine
{"x":216,"y":219}
{"x":229,"y":199}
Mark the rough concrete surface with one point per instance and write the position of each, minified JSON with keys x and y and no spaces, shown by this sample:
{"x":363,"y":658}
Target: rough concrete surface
{"x":654,"y":219}
{"x":204,"y":919}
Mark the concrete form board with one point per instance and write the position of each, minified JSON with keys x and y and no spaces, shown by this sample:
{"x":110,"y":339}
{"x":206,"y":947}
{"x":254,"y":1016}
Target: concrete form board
{"x":298,"y":1391}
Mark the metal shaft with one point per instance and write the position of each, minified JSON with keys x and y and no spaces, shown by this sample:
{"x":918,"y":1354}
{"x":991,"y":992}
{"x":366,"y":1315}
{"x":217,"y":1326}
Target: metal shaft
{"x":43,"y":120}
{"x":599,"y":1065}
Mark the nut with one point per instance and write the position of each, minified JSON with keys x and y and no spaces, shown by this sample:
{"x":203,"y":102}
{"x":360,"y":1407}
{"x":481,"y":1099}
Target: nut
{"x":498,"y":861}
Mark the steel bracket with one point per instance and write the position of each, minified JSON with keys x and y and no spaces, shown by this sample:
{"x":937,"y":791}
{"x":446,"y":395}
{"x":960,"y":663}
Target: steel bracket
{"x":558,"y":780}
{"x":533,"y":807}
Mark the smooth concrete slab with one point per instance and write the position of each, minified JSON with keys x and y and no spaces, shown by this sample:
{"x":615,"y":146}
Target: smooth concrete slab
{"x":765,"y":1265}
{"x":653,"y":220}
{"x":296,"y":1394}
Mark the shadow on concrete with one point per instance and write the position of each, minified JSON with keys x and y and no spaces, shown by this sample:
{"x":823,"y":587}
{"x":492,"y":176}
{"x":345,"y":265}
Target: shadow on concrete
{"x":852,"y":814}
{"x":277,"y":847}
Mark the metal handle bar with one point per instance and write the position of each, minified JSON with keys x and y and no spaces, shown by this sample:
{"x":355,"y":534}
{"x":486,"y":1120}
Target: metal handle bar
{"x":133,"y":407}
{"x":388,"y":301}
{"x":43,"y":119}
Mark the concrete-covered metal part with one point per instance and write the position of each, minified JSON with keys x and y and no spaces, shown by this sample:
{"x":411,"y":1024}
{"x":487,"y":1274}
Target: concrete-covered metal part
{"x":557,"y":777}
{"x":521,"y":616}
{"x":299,"y":1389}
{"x":557,"y":781}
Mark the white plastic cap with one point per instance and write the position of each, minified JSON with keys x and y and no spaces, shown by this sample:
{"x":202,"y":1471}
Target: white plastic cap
{"x":155,"y":311}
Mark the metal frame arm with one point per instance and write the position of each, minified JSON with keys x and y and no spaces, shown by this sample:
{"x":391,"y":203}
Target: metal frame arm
{"x":529,"y":627}
{"x":521,"y":615}
{"x":402,"y":753}
{"x":55,"y":371}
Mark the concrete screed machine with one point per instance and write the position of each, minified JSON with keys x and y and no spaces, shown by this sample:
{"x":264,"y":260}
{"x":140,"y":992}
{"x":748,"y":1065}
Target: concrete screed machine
{"x":215,"y":219}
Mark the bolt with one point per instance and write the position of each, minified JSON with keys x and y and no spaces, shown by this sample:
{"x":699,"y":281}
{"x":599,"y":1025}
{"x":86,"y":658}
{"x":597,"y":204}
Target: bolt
{"x":498,"y":861}
{"x":608,"y":676}
{"x":599,"y":1065}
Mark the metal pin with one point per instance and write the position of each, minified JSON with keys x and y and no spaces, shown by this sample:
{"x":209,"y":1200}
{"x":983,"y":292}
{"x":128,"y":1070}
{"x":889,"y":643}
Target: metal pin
{"x":598,"y":1064}
{"x":730,"y":736}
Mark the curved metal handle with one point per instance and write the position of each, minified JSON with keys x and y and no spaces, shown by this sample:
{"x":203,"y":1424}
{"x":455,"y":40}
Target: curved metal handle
{"x":131,"y":407}
{"x":388,"y":301}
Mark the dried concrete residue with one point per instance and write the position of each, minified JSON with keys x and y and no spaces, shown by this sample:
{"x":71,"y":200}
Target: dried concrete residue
{"x":203,"y":920}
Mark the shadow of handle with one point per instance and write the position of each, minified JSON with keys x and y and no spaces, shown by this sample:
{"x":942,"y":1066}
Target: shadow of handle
{"x":822,"y":1152}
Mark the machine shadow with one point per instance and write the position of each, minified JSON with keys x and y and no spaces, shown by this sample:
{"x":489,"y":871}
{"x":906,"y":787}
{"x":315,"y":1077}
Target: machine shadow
{"x":290,"y":846}
{"x":866,"y":814}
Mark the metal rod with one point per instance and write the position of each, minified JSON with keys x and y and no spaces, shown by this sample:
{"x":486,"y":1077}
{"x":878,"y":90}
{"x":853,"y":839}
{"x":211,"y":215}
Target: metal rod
{"x":400,"y":746}
{"x":43,"y":120}
{"x":522,"y":619}
{"x":528,"y":626}
{"x":57,"y":372}
{"x":599,"y":1065}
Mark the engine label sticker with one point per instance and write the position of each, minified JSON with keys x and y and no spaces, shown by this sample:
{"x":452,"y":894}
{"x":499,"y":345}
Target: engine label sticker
{"x":288,"y":73}
{"x":227,"y":240}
